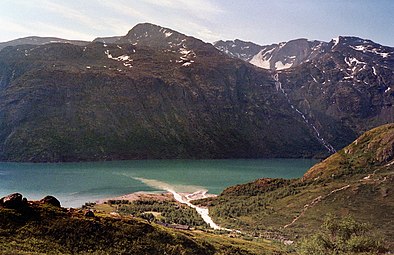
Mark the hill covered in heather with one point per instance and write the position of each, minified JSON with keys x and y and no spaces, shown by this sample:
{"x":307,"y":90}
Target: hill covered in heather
{"x":355,"y":182}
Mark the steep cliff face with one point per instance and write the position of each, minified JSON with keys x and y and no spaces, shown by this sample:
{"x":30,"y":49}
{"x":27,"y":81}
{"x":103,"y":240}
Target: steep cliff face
{"x":137,"y":99}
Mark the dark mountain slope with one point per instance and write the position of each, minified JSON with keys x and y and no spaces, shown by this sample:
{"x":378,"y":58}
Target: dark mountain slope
{"x":61,"y":102}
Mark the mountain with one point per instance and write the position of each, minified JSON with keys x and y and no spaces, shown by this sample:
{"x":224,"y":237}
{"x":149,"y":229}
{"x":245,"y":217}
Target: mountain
{"x":239,"y":49}
{"x":274,"y":57}
{"x":340,"y":88}
{"x":355,"y":181}
{"x":348,"y":86}
{"x":36,"y":40}
{"x":156,"y":93}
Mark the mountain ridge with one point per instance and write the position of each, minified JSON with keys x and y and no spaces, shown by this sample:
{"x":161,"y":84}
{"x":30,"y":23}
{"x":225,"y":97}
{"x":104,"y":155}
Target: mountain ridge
{"x":283,"y":55}
{"x":125,"y":101}
{"x":38,"y":40}
{"x":187,"y":98}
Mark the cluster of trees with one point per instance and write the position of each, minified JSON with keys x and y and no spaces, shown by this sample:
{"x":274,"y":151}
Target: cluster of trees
{"x":170,"y":212}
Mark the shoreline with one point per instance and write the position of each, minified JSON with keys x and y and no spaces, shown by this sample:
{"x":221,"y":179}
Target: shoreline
{"x":140,"y":195}
{"x":159,"y":196}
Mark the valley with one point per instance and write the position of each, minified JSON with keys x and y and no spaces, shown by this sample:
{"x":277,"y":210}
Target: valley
{"x":269,"y":215}
{"x":171,"y":145}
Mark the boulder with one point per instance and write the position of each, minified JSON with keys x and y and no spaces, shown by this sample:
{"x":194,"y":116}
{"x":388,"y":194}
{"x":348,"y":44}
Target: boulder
{"x":89,"y":214}
{"x":13,"y":201}
{"x":50,"y":200}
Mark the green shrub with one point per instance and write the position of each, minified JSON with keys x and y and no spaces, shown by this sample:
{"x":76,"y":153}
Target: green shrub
{"x":341,"y":236}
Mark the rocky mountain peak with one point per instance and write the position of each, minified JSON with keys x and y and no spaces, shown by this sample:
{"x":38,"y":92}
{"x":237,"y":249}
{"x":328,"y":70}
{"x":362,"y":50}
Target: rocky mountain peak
{"x":238,"y":49}
{"x":355,"y":46}
{"x":154,"y":36}
{"x":275,"y":56}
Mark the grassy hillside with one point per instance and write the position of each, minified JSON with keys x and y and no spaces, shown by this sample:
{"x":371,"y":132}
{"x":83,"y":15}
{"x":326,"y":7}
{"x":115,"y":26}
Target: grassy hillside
{"x":357,"y":181}
{"x":37,"y":228}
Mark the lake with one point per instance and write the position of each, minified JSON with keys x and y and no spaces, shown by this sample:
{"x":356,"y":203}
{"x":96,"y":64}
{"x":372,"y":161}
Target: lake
{"x":76,"y":183}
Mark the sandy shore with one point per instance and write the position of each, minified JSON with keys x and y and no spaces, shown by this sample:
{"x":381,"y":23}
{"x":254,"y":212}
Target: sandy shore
{"x":165,"y":196}
{"x":141,"y":195}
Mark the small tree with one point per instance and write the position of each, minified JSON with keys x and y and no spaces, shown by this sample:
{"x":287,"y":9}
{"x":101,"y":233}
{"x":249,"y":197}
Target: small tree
{"x":341,"y":237}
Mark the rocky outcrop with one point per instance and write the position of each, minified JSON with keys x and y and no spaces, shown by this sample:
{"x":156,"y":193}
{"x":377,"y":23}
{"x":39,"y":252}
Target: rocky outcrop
{"x":50,"y":200}
{"x":13,"y":201}
{"x":89,"y":213}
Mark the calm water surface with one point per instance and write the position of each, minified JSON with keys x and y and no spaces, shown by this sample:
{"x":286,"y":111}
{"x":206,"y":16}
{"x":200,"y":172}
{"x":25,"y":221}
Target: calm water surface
{"x":76,"y":183}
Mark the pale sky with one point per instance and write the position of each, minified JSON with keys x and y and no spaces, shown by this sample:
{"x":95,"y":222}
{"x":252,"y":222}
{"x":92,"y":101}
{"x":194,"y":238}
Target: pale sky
{"x":260,"y":21}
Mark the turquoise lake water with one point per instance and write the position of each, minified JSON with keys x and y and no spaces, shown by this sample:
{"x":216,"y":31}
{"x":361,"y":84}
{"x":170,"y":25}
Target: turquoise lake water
{"x":76,"y":183}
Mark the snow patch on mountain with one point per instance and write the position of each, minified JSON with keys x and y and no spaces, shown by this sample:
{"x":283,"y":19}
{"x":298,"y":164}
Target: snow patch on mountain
{"x":262,"y":60}
{"x":187,"y":56}
{"x":127,"y":60}
{"x":371,"y":49}
{"x":280,"y":66}
{"x":336,"y":41}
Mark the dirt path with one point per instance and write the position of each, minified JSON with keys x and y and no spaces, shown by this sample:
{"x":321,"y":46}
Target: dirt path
{"x":315,"y":202}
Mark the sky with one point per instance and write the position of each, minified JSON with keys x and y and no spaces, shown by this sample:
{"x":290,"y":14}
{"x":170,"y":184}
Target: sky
{"x":260,"y":21}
